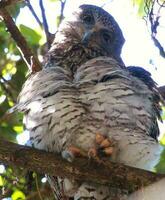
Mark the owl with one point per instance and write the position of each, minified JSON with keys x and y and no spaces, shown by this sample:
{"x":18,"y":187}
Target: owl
{"x":85,"y":102}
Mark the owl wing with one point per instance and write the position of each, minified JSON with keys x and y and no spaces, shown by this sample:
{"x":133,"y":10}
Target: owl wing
{"x":44,"y":102}
{"x":145,"y":76}
{"x":126,"y":107}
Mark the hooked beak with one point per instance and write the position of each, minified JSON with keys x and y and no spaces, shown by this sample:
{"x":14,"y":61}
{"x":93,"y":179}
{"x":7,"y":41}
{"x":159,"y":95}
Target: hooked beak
{"x":86,"y":38}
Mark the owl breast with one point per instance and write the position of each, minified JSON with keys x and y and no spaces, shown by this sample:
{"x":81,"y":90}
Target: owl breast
{"x":102,"y":97}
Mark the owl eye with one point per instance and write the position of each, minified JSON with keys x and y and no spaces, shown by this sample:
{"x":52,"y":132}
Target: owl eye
{"x":88,"y":19}
{"x":106,"y":36}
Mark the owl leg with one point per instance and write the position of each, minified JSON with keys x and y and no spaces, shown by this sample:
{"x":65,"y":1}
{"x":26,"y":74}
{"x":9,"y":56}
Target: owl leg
{"x":71,"y":152}
{"x":104,"y":146}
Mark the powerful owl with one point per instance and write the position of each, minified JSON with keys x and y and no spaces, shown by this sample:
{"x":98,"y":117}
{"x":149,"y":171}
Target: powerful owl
{"x":86,"y":102}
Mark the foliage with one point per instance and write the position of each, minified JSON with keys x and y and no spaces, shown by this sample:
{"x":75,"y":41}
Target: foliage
{"x":13,"y":71}
{"x":140,"y":5}
{"x":160,"y":167}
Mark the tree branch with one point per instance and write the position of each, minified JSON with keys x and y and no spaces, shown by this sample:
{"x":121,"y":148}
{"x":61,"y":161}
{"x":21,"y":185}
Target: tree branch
{"x":27,"y":54}
{"x":114,"y":174}
{"x":33,"y":12}
{"x":150,"y":10}
{"x":63,"y":2}
{"x":4,"y":3}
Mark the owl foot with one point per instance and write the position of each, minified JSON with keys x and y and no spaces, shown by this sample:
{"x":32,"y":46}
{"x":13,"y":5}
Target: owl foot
{"x":70,"y":153}
{"x":104,"y":147}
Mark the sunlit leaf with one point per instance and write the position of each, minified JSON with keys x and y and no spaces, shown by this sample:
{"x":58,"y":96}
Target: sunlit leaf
{"x":11,"y":104}
{"x":162,"y":141}
{"x":18,"y":129}
{"x":140,"y":4}
{"x":31,"y":35}
{"x":9,"y":69}
{"x":160,"y":167}
{"x":163,"y":113}
{"x":18,"y":195}
{"x":1,"y":181}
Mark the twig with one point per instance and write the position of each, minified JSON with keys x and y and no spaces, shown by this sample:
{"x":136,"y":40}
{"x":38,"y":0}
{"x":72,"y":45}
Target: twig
{"x":158,"y":45}
{"x":61,"y":14}
{"x":154,"y":26}
{"x":45,"y":24}
{"x":45,"y":192}
{"x":114,"y":174}
{"x":38,"y":189}
{"x":62,"y":11}
{"x":33,"y":12}
{"x":27,"y":54}
{"x":154,"y":21}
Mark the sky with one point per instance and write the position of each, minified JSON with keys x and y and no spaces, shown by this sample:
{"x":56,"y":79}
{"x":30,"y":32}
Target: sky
{"x":138,"y":49}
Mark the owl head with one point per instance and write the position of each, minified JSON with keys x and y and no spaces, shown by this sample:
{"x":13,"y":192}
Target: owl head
{"x":92,"y":29}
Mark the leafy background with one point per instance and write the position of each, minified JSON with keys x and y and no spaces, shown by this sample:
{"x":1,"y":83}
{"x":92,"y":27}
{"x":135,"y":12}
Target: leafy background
{"x":16,"y":183}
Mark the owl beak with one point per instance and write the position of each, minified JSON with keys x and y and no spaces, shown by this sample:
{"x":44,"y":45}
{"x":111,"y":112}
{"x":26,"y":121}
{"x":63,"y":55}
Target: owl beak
{"x":86,"y":37}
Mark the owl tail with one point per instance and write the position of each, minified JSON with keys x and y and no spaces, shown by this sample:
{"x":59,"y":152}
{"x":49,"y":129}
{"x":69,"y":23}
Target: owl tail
{"x":65,"y":189}
{"x":92,"y":191}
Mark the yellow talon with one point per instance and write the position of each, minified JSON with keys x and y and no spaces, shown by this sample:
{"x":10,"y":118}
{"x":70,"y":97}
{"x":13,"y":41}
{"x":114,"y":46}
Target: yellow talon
{"x":105,"y":143}
{"x":99,"y":138}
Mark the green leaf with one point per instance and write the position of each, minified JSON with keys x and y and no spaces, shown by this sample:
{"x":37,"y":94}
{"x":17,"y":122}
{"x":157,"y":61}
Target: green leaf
{"x":163,"y":113}
{"x":162,"y":141}
{"x":15,"y":10}
{"x":140,"y":4}
{"x":18,"y":195}
{"x":1,"y":181}
{"x":31,"y":35}
{"x":160,"y":167}
{"x":18,"y":129}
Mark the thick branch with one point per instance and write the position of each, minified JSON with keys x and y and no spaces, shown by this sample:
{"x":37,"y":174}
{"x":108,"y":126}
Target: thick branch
{"x":114,"y":174}
{"x":30,"y":59}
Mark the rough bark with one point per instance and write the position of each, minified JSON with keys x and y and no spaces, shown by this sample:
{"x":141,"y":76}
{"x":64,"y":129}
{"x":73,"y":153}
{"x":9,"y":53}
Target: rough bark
{"x":27,"y":54}
{"x":105,"y":172}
